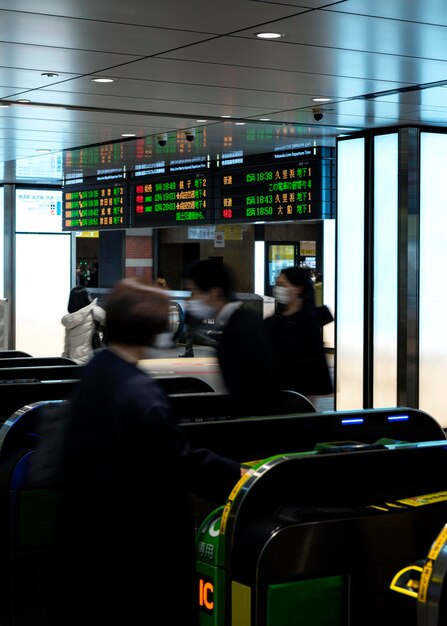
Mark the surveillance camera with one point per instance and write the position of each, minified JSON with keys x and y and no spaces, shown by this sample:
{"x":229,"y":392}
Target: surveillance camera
{"x":162,"y":139}
{"x":318,"y":114}
{"x":190,"y":135}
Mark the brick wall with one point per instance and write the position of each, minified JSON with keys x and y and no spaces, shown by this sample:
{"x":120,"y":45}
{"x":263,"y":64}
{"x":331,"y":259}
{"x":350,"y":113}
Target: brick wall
{"x":139,"y":254}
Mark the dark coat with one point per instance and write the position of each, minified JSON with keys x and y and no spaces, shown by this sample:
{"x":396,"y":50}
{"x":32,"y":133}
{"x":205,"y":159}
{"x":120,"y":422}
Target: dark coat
{"x":299,"y":352}
{"x":128,"y":533}
{"x":246,"y":362}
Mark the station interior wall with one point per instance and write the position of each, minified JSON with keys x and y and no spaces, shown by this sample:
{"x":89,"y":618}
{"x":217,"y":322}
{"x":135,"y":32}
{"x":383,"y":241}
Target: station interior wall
{"x":176,"y":248}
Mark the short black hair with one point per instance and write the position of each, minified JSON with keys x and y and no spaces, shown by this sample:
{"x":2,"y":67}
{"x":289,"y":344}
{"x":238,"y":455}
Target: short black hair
{"x":136,"y":311}
{"x":209,"y":273}
{"x":78,"y":299}
{"x":297,"y":276}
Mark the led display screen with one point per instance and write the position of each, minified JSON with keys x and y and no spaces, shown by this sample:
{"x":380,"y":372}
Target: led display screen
{"x":173,"y":200}
{"x":95,"y":207}
{"x":264,"y":188}
{"x":279,"y":191}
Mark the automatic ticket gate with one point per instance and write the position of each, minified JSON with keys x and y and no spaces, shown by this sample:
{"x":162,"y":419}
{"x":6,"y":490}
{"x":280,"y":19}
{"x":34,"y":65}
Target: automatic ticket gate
{"x":314,"y":539}
{"x":311,"y":521}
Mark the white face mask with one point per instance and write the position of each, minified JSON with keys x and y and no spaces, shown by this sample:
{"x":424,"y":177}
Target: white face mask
{"x":200,"y":310}
{"x":282,"y":294}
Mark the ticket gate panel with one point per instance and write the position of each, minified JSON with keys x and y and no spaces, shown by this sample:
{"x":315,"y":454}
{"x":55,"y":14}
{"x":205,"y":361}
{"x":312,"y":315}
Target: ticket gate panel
{"x":316,"y":601}
{"x":364,"y":552}
{"x":347,"y":520}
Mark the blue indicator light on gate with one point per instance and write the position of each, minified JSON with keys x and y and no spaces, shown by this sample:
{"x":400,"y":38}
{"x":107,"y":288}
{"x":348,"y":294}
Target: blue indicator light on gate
{"x":352,"y":420}
{"x":398,"y":418}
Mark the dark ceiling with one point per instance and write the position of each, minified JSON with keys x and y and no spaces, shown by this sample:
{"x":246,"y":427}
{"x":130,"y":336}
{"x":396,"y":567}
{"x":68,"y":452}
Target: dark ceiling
{"x":183,"y":65}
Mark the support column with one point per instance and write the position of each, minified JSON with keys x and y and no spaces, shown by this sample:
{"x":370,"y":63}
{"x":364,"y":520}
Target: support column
{"x":408,"y":268}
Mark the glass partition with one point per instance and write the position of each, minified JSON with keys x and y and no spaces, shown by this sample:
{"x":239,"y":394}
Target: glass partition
{"x":385,"y":290}
{"x":43,"y":272}
{"x":2,"y":242}
{"x":42,"y":291}
{"x":329,"y":278}
{"x":433,"y":263}
{"x":350,"y":273}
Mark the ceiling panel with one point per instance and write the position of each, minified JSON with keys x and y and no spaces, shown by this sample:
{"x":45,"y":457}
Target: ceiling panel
{"x":194,"y":15}
{"x":281,"y":93}
{"x":301,"y":4}
{"x":13,"y":80}
{"x":202,"y":74}
{"x":425,"y":12}
{"x":45,"y":58}
{"x":92,"y":35}
{"x":174,"y":62}
{"x":363,"y":33}
{"x":316,"y":60}
{"x":133,"y":95}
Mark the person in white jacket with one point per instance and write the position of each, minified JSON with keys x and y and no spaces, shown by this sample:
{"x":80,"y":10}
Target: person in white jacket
{"x":80,"y":324}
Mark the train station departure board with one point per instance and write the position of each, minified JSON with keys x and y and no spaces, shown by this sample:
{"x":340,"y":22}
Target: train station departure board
{"x":261,"y":188}
{"x":95,"y":207}
{"x":282,"y":191}
{"x":173,"y":200}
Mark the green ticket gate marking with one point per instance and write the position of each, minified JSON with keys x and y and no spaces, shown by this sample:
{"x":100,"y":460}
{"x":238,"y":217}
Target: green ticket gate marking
{"x":314,"y":602}
{"x":211,"y":577}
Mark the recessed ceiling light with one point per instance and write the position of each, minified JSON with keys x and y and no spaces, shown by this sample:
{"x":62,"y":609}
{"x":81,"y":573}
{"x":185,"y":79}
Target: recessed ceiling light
{"x":23,"y":101}
{"x":201,"y":120}
{"x":239,"y":123}
{"x":102,"y":80}
{"x":225,"y":116}
{"x":4,"y":106}
{"x":128,"y":135}
{"x":264,"y":119}
{"x":268,"y":35}
{"x":321,"y":99}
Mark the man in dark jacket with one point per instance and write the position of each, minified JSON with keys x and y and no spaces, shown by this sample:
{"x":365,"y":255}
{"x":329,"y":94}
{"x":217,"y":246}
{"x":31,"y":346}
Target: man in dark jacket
{"x":127,"y":549}
{"x":242,"y":349}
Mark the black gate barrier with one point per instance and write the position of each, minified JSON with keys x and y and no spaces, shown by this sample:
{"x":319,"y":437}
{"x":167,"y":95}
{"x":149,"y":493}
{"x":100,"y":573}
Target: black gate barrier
{"x":28,"y":514}
{"x":315,"y":538}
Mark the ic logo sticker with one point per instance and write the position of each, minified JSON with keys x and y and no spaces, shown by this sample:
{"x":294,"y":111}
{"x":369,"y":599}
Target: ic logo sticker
{"x":206,"y":594}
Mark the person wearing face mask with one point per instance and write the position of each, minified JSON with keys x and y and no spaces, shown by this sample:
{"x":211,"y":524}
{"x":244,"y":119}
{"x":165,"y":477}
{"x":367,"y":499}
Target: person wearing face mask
{"x":242,"y":349}
{"x":127,"y":540}
{"x":80,"y":323}
{"x":295,"y":334}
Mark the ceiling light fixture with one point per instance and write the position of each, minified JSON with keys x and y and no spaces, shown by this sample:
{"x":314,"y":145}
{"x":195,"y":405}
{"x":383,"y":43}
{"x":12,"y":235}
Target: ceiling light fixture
{"x":42,"y":150}
{"x":239,"y":123}
{"x":201,"y":120}
{"x":23,"y":101}
{"x":49,"y":74}
{"x":4,"y":106}
{"x":321,"y":99}
{"x":225,"y":117}
{"x":268,"y":35}
{"x":128,"y":135}
{"x":264,"y":119}
{"x":102,"y":80}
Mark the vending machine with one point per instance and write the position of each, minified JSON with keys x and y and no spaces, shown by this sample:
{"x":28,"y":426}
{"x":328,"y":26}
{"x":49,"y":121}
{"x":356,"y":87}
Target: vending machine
{"x":279,"y":255}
